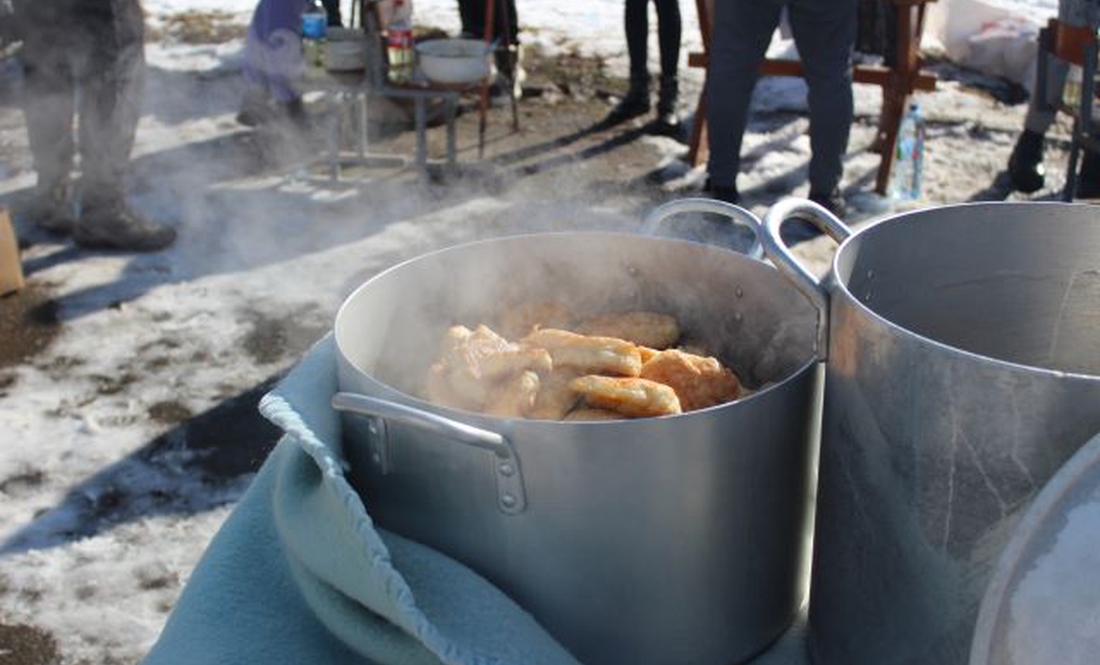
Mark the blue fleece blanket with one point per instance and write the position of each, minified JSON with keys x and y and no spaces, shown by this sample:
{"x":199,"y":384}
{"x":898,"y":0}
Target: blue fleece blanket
{"x":300,"y":574}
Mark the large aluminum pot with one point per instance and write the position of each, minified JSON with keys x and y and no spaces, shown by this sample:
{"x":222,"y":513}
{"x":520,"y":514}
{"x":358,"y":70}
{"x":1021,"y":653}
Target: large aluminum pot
{"x":681,"y":539}
{"x":963,"y":370}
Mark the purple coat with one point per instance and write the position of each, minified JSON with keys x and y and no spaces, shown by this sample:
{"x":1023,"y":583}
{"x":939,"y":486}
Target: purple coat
{"x":273,"y":49}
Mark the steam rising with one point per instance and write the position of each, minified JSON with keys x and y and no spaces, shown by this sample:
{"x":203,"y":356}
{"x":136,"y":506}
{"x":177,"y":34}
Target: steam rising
{"x":740,"y":309}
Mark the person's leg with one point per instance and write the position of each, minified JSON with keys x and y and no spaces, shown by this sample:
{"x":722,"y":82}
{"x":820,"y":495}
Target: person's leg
{"x":472,"y":15}
{"x":508,"y":55}
{"x":636,"y":24}
{"x":332,"y":9}
{"x":1025,"y":164}
{"x":48,"y":102}
{"x":742,"y":31}
{"x":668,"y":37}
{"x":825,"y":31}
{"x":111,"y":86}
{"x":513,"y":19}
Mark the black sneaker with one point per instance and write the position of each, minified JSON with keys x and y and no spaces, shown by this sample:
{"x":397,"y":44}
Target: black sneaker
{"x":1088,"y":180}
{"x":722,"y":193}
{"x":117,"y":226}
{"x":1025,"y":166}
{"x":634,"y":104}
{"x":51,"y":207}
{"x":833,"y":202}
{"x":667,"y":122}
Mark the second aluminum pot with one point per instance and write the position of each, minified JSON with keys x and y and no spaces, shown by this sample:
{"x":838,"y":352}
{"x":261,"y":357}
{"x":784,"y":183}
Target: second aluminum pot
{"x":963,"y":370}
{"x":682,"y":539}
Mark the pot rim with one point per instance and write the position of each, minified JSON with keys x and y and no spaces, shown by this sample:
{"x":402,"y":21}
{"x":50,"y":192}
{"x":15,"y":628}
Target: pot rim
{"x":808,"y":365}
{"x":833,"y":276}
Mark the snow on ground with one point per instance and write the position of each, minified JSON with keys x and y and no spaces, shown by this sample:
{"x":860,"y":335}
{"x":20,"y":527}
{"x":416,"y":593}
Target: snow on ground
{"x":129,"y":437}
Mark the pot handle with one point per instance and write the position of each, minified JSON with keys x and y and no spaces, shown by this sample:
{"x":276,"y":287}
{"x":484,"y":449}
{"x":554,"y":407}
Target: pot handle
{"x":781,"y":256}
{"x":736,"y":214}
{"x":511,"y":497}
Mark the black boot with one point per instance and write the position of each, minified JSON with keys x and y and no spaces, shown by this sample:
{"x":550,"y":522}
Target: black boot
{"x":1088,"y":181}
{"x":667,"y":121}
{"x":1025,"y":166}
{"x":727,"y":193}
{"x":634,"y":104}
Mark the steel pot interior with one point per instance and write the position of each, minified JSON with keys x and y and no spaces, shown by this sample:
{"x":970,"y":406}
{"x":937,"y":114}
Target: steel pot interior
{"x":740,"y":309}
{"x":1015,"y":282}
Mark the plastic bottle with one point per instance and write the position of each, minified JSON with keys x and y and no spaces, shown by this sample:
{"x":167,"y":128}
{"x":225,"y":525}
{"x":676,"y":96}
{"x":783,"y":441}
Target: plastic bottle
{"x":314,"y":25}
{"x":399,"y":42}
{"x":905,"y":180}
{"x":1071,"y":93}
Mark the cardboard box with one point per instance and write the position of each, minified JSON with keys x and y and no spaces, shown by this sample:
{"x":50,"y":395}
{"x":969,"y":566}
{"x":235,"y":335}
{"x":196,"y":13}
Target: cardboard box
{"x":11,"y":270}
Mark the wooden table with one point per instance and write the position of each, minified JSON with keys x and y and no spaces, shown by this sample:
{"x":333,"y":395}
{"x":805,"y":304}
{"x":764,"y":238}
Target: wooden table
{"x":898,"y":82}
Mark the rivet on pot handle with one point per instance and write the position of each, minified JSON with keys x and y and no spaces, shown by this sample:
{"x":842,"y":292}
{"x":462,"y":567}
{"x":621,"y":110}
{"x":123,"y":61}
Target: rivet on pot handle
{"x":782,"y":257}
{"x":511,"y":497}
{"x":736,"y":214}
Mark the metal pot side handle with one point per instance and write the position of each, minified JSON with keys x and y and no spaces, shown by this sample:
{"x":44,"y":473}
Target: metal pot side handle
{"x":511,"y":496}
{"x":781,"y":256}
{"x":736,"y":214}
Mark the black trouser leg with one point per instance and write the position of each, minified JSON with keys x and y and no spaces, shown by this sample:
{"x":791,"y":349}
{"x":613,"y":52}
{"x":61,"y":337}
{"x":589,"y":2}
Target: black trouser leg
{"x":742,"y":31}
{"x":472,"y":14}
{"x":332,"y":9}
{"x":636,"y":23}
{"x":825,"y":32}
{"x":668,"y":36}
{"x":110,"y":104}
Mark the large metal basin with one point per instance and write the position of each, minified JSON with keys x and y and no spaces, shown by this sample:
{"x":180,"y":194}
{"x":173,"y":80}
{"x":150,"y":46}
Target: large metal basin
{"x":963,"y":349}
{"x":681,"y":539}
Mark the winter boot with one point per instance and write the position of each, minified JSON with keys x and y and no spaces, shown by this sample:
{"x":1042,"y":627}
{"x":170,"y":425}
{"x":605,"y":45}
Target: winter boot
{"x":667,"y":121}
{"x":255,"y":107}
{"x":729,"y":194}
{"x":634,"y":104}
{"x":1088,"y":180}
{"x":832,"y":201}
{"x":1025,"y":166}
{"x":51,"y":207}
{"x":112,"y":224}
{"x":510,"y":72}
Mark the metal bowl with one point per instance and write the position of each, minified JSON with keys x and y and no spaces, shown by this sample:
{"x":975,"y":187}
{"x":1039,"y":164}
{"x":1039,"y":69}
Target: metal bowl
{"x":454,"y":61}
{"x":345,"y":50}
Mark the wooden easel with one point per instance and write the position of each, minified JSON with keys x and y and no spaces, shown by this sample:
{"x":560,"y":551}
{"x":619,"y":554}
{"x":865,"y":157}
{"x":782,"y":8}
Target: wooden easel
{"x":897,"y":82}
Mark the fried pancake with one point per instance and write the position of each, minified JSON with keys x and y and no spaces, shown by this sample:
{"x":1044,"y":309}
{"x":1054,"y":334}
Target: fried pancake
{"x":651,"y":329}
{"x":556,"y":397}
{"x":699,"y":381}
{"x":588,"y":354}
{"x":629,"y":396}
{"x":585,"y":414}
{"x":515,"y":397}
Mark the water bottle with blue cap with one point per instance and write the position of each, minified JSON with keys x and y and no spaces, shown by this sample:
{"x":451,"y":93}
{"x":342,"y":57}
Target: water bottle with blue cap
{"x":314,"y":25}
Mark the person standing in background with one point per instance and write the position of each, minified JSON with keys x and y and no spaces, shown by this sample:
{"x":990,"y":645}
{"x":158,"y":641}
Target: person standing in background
{"x":86,"y":58}
{"x":636,"y":102}
{"x":1025,"y":165}
{"x":825,"y":32}
{"x":472,"y":13}
{"x":332,"y":9}
{"x":273,"y":64}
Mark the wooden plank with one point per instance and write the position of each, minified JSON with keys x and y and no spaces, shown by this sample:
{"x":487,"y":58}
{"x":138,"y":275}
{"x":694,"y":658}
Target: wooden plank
{"x":11,"y":271}
{"x":872,"y":74}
